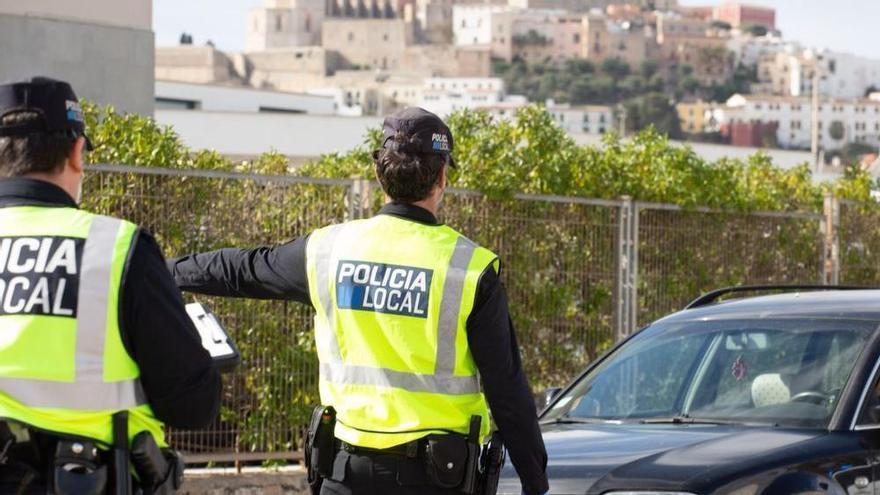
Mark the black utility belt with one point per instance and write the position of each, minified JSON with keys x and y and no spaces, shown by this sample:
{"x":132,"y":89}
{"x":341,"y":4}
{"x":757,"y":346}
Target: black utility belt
{"x":412,"y":450}
{"x":80,"y":467}
{"x":451,"y":461}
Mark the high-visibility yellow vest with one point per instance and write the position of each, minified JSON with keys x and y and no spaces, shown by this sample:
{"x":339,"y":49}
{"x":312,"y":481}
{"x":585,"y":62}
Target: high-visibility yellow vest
{"x":392,"y":299}
{"x":63,"y":366}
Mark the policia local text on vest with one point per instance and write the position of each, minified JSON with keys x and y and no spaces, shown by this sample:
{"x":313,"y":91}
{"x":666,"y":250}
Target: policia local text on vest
{"x":410,"y":319}
{"x":74,"y":409}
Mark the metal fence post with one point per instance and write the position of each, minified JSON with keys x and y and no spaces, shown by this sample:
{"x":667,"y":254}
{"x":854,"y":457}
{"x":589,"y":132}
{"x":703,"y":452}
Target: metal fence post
{"x":359,"y":197}
{"x":624,"y":268}
{"x":831,"y":240}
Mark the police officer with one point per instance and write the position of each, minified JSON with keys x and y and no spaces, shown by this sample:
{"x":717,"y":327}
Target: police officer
{"x":409,"y":313}
{"x":91,"y":323}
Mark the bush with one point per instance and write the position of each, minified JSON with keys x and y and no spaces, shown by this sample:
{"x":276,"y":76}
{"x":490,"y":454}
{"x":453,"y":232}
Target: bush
{"x":564,"y":298}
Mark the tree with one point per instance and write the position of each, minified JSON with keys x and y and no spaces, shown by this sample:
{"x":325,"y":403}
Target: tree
{"x":616,"y":68}
{"x":578,"y":66}
{"x":649,"y":68}
{"x":653,"y":110}
{"x":755,"y":30}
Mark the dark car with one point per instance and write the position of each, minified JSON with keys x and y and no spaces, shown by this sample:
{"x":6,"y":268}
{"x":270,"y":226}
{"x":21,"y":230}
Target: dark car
{"x":764,"y":395}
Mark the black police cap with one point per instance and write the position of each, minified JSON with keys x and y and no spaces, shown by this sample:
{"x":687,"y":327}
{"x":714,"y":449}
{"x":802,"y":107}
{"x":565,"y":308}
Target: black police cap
{"x":53,"y":100}
{"x":422,"y":131}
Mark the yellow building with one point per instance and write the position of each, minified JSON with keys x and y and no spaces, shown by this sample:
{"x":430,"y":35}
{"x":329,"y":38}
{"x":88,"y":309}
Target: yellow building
{"x":693,"y":116}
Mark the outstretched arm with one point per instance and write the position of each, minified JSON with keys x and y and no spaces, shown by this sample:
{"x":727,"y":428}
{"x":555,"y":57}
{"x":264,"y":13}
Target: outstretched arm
{"x":177,"y":373}
{"x":277,"y":272}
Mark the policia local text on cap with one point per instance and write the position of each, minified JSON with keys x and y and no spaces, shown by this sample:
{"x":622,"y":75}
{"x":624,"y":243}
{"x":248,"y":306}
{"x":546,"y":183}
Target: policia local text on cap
{"x":408,"y":313}
{"x":97,"y":350}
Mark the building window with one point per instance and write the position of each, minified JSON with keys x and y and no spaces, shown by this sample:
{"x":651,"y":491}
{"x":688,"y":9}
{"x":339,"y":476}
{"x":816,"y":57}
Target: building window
{"x":463,"y":23}
{"x":350,"y":36}
{"x":308,"y":23}
{"x":278,"y":23}
{"x":576,"y":38}
{"x":385,"y":37}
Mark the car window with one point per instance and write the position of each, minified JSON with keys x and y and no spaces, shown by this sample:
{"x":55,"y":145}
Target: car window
{"x":805,"y":367}
{"x":870,"y":414}
{"x":786,"y":372}
{"x":646,"y":383}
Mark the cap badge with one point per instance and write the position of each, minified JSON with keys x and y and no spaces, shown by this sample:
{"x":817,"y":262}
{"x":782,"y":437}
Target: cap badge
{"x":74,"y":111}
{"x":440,"y":142}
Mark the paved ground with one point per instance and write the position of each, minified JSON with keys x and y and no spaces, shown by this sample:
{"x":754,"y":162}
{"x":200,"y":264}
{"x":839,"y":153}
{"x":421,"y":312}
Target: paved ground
{"x":252,"y":481}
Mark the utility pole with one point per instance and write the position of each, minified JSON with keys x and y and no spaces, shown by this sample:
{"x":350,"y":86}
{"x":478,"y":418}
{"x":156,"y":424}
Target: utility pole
{"x":814,"y":117}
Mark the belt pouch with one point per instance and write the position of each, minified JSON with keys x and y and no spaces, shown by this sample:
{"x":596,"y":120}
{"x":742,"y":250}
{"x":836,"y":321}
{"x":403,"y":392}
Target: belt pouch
{"x":446,"y":458}
{"x":77,"y":469}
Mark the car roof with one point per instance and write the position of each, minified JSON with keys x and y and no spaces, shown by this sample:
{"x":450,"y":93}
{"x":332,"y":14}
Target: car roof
{"x":849,"y":304}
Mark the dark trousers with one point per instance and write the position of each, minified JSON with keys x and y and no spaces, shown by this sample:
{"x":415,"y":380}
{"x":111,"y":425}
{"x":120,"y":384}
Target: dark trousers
{"x":379,"y":474}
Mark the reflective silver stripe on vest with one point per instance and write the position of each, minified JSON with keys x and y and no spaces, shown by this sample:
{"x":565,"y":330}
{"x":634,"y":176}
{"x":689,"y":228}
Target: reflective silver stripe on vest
{"x":323,"y":256}
{"x":88,"y":391}
{"x":77,"y":396}
{"x":442,"y":381}
{"x":346,"y":374}
{"x":450,"y":306}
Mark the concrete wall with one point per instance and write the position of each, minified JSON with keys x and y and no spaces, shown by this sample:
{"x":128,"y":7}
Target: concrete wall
{"x":231,"y":99}
{"x":105,"y":64}
{"x":251,"y":134}
{"x":135,"y":14}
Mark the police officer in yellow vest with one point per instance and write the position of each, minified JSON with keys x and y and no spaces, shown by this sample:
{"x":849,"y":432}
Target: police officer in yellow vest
{"x":91,"y":324}
{"x":411,"y":318}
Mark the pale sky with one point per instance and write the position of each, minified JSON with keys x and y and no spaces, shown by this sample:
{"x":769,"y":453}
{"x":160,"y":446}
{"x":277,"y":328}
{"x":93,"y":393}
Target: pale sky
{"x":841,"y":25}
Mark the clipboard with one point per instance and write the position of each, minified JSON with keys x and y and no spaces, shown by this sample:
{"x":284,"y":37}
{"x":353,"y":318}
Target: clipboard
{"x":214,"y":338}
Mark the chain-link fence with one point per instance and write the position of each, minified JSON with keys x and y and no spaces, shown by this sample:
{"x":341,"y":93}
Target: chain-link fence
{"x":579,"y":274}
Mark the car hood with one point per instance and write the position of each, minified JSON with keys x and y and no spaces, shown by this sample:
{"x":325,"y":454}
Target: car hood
{"x":596,"y":458}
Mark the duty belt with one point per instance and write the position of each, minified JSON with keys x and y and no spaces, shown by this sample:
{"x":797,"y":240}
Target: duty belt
{"x":413,"y":449}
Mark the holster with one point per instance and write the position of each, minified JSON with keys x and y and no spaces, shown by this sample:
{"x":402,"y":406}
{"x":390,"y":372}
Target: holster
{"x":160,"y":471}
{"x":320,"y":446}
{"x":491,"y":463}
{"x":78,"y":469}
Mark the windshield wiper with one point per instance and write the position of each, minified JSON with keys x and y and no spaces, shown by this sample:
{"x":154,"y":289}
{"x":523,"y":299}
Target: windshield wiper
{"x":571,"y":420}
{"x":686,"y":420}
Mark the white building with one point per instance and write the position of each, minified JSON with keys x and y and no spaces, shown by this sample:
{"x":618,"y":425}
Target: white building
{"x":748,"y":50}
{"x":214,"y":98}
{"x":472,"y":23}
{"x":858,"y":119}
{"x":586,"y":119}
{"x":444,"y":95}
{"x":104,"y":48}
{"x":284,"y":24}
{"x":790,"y":73}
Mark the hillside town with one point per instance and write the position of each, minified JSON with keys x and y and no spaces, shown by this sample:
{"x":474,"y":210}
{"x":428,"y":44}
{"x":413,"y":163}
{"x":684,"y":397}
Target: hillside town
{"x":721,"y":74}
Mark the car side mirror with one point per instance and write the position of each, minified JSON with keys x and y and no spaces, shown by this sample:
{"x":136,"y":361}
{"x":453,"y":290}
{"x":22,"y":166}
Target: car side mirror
{"x":548,"y":396}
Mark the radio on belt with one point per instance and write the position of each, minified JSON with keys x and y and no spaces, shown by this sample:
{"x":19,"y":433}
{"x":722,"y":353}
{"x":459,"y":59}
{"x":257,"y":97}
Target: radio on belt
{"x":214,"y":338}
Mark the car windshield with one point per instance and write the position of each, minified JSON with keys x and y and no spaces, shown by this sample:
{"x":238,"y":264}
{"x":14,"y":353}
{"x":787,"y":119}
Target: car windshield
{"x":787,"y":372}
